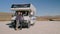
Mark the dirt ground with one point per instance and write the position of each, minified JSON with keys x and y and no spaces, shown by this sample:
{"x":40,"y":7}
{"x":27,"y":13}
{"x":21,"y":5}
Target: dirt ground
{"x":40,"y":27}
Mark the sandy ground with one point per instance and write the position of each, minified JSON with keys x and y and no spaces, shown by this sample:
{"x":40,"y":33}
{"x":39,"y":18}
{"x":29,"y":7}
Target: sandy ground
{"x":40,"y":27}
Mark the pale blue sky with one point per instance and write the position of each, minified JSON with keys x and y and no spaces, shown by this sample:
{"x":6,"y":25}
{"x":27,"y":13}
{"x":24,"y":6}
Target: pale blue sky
{"x":44,"y":7}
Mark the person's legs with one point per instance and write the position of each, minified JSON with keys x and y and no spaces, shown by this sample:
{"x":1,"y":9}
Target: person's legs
{"x":17,"y":24}
{"x":20,"y":24}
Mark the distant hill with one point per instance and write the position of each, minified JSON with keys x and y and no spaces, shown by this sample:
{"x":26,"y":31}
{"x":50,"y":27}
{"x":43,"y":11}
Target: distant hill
{"x":7,"y":16}
{"x":48,"y":18}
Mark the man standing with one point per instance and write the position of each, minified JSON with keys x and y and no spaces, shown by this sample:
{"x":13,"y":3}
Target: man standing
{"x":19,"y":20}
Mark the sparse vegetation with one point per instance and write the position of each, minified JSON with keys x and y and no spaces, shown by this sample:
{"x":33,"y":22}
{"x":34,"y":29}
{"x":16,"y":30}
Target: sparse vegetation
{"x":7,"y":16}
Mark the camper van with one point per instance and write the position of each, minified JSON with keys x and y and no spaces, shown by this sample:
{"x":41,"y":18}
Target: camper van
{"x":28,"y":11}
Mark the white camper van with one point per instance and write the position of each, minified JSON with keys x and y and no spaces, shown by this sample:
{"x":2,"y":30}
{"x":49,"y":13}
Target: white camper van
{"x":28,"y":10}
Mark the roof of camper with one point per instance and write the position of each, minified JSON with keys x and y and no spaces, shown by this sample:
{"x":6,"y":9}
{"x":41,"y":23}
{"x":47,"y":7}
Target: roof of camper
{"x":20,"y":5}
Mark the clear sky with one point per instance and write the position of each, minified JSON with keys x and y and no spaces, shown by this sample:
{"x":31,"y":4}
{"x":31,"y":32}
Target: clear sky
{"x":44,"y":7}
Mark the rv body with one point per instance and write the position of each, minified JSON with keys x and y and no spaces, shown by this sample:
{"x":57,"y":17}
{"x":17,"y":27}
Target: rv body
{"x":29,"y":8}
